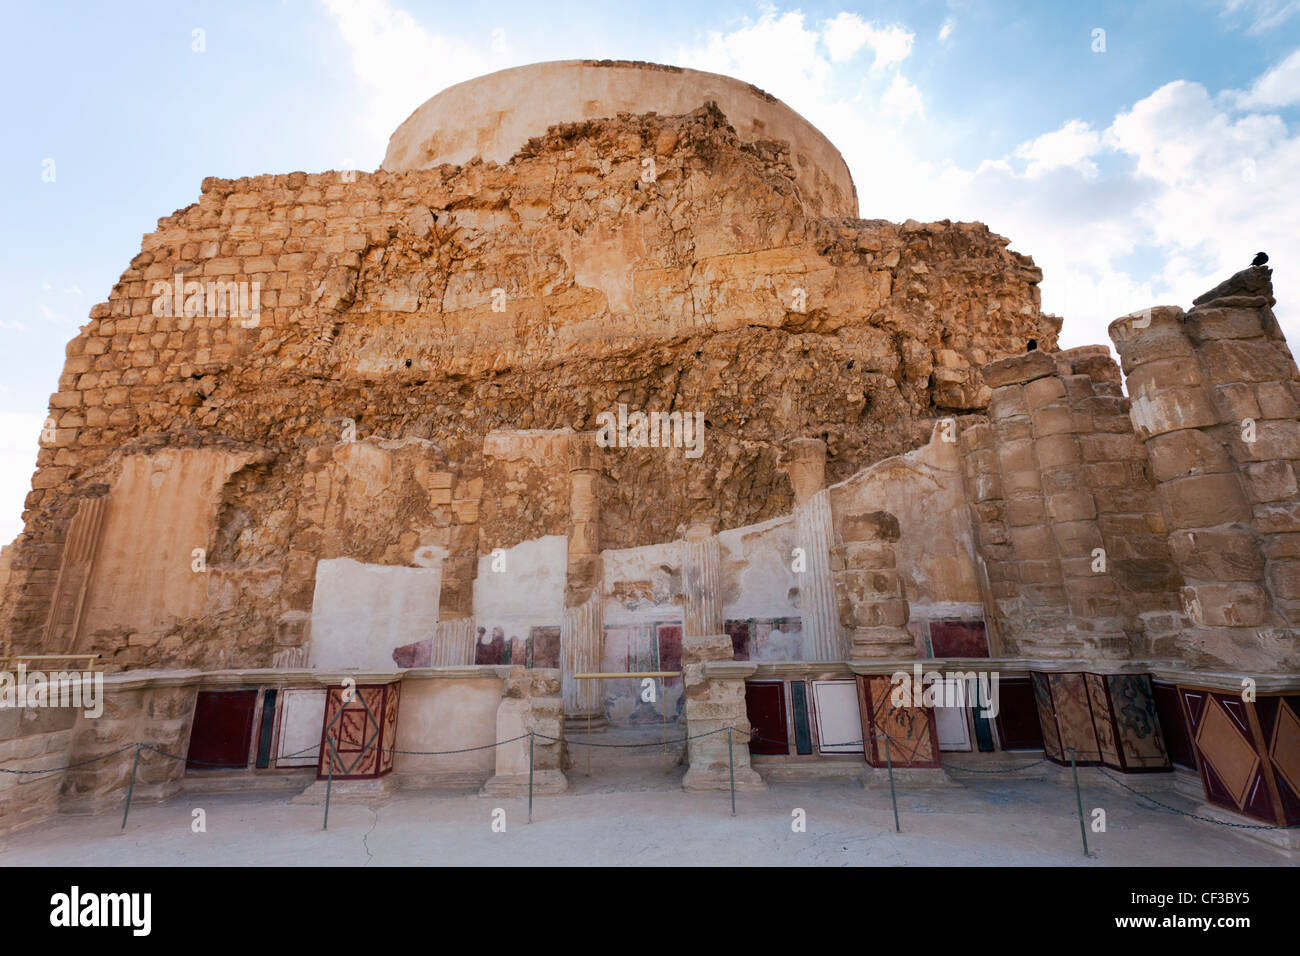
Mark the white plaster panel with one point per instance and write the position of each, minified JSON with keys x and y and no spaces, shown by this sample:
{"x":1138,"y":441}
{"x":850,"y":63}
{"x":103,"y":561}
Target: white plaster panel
{"x":362,"y":612}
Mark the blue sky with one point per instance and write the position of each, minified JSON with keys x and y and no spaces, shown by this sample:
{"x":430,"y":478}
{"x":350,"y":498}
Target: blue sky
{"x":1138,"y":173}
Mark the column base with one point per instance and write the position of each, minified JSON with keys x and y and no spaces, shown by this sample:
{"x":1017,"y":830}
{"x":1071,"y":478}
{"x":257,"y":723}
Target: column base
{"x":715,"y":777}
{"x":908,"y":778}
{"x":347,"y":791}
{"x":516,"y":784}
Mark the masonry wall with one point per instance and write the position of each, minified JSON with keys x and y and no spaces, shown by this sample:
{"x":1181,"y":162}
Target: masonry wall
{"x":1216,"y":400}
{"x":352,"y":413}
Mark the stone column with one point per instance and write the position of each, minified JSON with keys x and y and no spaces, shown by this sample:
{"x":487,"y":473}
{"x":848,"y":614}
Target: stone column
{"x":582,"y":623}
{"x":1215,"y":394}
{"x":701,"y":582}
{"x":1057,"y":422}
{"x":815,"y":534}
{"x":1043,"y":607}
{"x":983,"y":484}
{"x":870,"y":593}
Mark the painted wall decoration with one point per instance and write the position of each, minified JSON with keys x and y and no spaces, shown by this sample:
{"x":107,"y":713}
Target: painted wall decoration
{"x":1017,"y":719}
{"x":766,"y":639}
{"x":765,"y":708}
{"x":632,"y":648}
{"x":1173,"y":724}
{"x":364,"y":731}
{"x":1047,"y":717}
{"x":913,"y":741}
{"x":1247,"y":754}
{"x":958,"y":639}
{"x":1142,"y":744}
{"x":222,"y":733}
{"x":1099,"y":707}
{"x":302,"y":714}
{"x":1069,"y":699}
{"x":799,"y":708}
{"x":951,"y":723}
{"x":838,"y":718}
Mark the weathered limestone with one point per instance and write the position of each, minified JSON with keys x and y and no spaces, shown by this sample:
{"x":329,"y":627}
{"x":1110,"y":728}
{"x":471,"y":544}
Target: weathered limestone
{"x":815,"y":537}
{"x":716,"y":756}
{"x":532,"y":705}
{"x":872,"y":606}
{"x":1215,"y":396}
{"x":398,"y":348}
{"x":581,"y":629}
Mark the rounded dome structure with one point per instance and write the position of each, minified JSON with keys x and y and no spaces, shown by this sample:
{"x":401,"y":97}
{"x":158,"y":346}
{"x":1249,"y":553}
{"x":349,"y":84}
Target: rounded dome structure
{"x":493,"y":116}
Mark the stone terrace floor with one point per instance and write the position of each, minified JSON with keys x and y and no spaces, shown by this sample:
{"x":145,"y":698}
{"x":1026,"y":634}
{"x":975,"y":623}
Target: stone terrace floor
{"x":626,"y":821}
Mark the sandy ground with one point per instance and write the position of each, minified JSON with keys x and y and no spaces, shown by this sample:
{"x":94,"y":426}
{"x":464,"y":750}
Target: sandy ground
{"x":647,"y":822}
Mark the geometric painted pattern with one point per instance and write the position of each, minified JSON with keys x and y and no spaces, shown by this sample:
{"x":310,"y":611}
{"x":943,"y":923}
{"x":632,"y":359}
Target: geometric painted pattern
{"x":1228,"y":751}
{"x":359,"y":734}
{"x":1105,"y":719}
{"x":1247,"y":752}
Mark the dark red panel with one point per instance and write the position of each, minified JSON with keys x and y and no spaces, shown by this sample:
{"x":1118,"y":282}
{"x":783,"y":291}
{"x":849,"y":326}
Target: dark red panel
{"x":1017,"y":719}
{"x":491,"y":651}
{"x":738,"y":631}
{"x":765,"y":707}
{"x":670,"y":649}
{"x":546,"y":647}
{"x":958,"y":639}
{"x":1172,"y":725}
{"x":223,"y":729}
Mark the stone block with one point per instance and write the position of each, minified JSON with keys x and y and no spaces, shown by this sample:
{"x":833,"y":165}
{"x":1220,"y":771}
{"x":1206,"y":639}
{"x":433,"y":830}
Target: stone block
{"x":1018,"y":369}
{"x":1271,"y":481}
{"x":1223,"y":554}
{"x":1157,"y":411}
{"x":1226,"y":605}
{"x":1188,"y":452}
{"x":1203,"y":501}
{"x":1043,"y":392}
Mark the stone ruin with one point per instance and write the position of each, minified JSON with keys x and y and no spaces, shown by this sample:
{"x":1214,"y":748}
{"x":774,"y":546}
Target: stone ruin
{"x":394,"y":425}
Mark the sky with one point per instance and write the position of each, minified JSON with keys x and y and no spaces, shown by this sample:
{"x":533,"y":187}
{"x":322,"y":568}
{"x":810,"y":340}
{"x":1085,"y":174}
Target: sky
{"x":1140,"y":153}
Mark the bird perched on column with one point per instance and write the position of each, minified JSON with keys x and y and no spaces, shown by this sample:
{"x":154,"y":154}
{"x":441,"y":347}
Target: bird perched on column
{"x":1260,"y":259}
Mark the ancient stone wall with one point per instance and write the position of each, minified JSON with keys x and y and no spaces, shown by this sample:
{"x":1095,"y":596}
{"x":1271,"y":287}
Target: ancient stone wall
{"x":1216,"y":400}
{"x":1066,"y":522}
{"x":400,"y":318}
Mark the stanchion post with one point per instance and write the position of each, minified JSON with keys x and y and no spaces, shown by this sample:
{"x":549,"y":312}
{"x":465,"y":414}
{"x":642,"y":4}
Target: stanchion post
{"x":329,"y":783}
{"x":1078,"y":799}
{"x":731,"y":767}
{"x":530,"y":776}
{"x":130,"y":789}
{"x":889,"y":765}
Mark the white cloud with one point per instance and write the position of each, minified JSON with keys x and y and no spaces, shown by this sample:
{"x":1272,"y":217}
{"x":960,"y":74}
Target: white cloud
{"x":1263,"y":15}
{"x":1071,"y":146}
{"x":17,"y":326}
{"x":1173,"y":195}
{"x":19,"y":442}
{"x":402,"y":64}
{"x":945,"y":31}
{"x":1280,"y":86}
{"x":902,"y":99}
{"x":848,"y":33}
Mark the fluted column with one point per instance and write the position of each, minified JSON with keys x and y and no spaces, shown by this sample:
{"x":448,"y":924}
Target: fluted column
{"x":582,"y":624}
{"x":814,"y":533}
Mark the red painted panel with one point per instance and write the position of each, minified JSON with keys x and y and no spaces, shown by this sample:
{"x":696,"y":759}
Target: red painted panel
{"x":670,"y":649}
{"x":223,"y":729}
{"x":765,"y":707}
{"x":738,"y":631}
{"x":958,"y":639}
{"x":1017,"y":719}
{"x":1172,"y":724}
